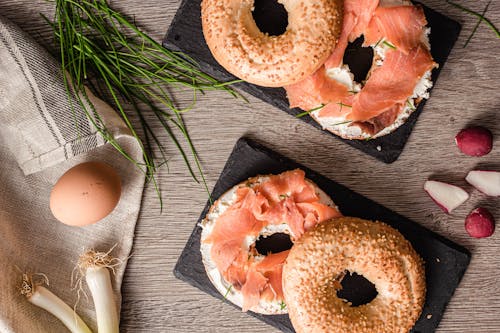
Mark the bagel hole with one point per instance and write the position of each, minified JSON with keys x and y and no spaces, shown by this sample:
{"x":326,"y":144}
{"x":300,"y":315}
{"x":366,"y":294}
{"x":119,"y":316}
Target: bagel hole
{"x":270,"y":16}
{"x":356,"y":289}
{"x":274,"y":243}
{"x":359,"y":59}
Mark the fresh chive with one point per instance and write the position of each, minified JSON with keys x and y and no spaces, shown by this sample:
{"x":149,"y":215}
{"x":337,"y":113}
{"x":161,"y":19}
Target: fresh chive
{"x":283,"y":196}
{"x":478,"y":15}
{"x":309,"y":111}
{"x":228,"y":291}
{"x":346,"y":105}
{"x":122,"y":65}
{"x":386,"y":43}
{"x":282,"y":305}
{"x":343,"y":123}
{"x":477,"y":24}
{"x":410,"y":105}
{"x":379,"y":41}
{"x":342,"y":105}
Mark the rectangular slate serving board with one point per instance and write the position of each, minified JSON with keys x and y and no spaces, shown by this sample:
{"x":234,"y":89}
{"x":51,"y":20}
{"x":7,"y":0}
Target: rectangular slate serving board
{"x":185,"y":34}
{"x":445,"y":261}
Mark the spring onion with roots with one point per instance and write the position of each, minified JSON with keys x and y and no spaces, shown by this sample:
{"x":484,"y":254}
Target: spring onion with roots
{"x":40,"y":296}
{"x":95,"y":266}
{"x":104,"y":50}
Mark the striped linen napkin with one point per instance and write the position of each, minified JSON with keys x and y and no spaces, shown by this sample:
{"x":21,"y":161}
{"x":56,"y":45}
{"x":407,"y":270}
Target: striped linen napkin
{"x":42,"y":135}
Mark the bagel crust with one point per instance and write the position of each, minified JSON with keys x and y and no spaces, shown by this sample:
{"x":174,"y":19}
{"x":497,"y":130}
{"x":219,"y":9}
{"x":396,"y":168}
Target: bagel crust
{"x":272,"y":61}
{"x":373,"y":249}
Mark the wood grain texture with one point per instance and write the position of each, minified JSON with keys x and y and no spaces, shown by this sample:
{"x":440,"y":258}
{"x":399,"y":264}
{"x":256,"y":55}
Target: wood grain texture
{"x":467,"y":92}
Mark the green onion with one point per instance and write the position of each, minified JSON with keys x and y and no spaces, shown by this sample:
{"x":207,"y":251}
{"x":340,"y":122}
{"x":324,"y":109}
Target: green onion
{"x":100,"y":48}
{"x":95,"y":266}
{"x":38,"y":295}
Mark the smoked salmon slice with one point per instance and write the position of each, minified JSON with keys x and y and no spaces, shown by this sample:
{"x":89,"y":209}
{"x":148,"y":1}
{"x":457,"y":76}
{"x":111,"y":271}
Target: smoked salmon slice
{"x":403,"y":26}
{"x":251,"y":200}
{"x":315,"y":90}
{"x":287,"y":184}
{"x":314,"y":213}
{"x":391,"y":85}
{"x":272,"y":268}
{"x":357,"y":16}
{"x":251,"y":290}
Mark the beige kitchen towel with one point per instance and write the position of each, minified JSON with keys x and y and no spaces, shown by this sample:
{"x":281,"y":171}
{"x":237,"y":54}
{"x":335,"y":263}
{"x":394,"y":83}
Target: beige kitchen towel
{"x":39,"y":141}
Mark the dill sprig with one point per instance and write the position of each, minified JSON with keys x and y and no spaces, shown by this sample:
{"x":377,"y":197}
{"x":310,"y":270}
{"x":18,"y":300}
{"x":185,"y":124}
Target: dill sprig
{"x":102,"y":49}
{"x":480,"y":16}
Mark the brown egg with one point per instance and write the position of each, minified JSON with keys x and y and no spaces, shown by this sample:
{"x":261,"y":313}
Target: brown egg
{"x":85,"y":194}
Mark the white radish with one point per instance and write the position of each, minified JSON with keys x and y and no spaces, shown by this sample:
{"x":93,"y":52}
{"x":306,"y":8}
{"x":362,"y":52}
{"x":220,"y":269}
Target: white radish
{"x":95,"y":267}
{"x":485,"y":181}
{"x":42,"y":297}
{"x":446,"y":196}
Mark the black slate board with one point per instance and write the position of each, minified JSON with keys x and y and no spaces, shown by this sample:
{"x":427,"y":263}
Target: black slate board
{"x":185,"y":34}
{"x":445,"y":261}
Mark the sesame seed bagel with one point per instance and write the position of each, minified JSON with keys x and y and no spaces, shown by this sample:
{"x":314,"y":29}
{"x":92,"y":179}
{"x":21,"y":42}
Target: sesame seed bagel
{"x":272,"y":61}
{"x":372,"y":249}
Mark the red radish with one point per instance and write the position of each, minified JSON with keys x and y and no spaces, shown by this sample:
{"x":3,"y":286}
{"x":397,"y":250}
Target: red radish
{"x":474,"y":141}
{"x":447,"y":196}
{"x":480,"y":223}
{"x":485,"y":181}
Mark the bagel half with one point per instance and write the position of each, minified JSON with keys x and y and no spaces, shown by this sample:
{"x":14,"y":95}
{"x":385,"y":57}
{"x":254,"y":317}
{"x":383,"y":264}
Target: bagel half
{"x":242,"y":49}
{"x":357,"y":131}
{"x":372,"y":249}
{"x":217,"y":209}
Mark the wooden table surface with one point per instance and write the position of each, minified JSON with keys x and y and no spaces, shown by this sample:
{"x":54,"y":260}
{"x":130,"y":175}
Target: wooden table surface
{"x":467,"y":92}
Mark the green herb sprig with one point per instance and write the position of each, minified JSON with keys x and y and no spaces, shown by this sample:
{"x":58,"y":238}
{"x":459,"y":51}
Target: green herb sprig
{"x":305,"y":113}
{"x":102,"y":49}
{"x":389,"y":45}
{"x":477,"y":24}
{"x":480,"y":16}
{"x":228,"y":290}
